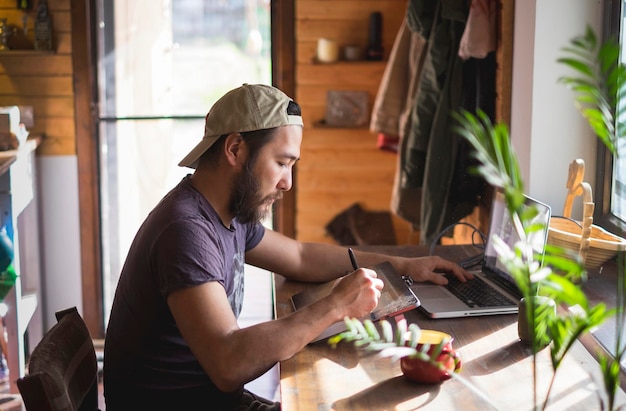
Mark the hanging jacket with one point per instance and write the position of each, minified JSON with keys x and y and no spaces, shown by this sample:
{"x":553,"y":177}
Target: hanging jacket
{"x":432,"y":187}
{"x":392,"y":109}
{"x":430,"y":143}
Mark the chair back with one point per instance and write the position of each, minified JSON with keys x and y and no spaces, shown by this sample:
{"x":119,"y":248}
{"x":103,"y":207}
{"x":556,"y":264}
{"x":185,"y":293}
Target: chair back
{"x":62,"y":370}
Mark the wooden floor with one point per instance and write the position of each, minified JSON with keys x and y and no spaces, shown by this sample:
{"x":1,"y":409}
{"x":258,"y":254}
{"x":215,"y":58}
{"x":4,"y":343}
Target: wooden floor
{"x":257,"y":307}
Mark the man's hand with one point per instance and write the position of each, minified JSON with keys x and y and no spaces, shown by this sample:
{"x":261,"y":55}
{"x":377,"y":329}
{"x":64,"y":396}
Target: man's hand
{"x":430,"y":269}
{"x":357,"y":294}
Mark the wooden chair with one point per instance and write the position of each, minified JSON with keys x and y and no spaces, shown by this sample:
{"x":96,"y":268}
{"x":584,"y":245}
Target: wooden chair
{"x":62,"y":370}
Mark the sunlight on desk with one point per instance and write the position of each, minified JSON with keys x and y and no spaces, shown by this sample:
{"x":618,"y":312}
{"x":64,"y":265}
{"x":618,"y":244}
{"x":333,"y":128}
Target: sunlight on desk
{"x":349,"y":379}
{"x":494,"y":361}
{"x":477,"y":348}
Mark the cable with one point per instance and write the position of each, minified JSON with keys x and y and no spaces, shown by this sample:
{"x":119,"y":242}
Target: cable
{"x":483,"y":238}
{"x":471,"y":261}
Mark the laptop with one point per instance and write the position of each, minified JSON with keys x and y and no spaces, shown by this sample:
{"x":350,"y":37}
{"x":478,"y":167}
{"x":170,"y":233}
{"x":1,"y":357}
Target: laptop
{"x":396,"y":298}
{"x":492,"y":282}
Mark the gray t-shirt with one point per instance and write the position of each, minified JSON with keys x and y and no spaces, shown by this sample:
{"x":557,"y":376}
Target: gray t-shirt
{"x":182,"y":243}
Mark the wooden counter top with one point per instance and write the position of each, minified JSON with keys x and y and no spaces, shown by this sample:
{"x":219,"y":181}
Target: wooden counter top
{"x":494,"y":360}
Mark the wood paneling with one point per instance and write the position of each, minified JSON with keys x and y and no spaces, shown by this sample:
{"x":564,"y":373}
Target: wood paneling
{"x":283,"y":72}
{"x":346,"y":21}
{"x":341,"y":75}
{"x":339,"y":166}
{"x":43,"y":65}
{"x":36,"y":86}
{"x":43,"y":80}
{"x":47,"y":106}
{"x":83,"y":26}
{"x":504,"y":74}
{"x":342,"y":166}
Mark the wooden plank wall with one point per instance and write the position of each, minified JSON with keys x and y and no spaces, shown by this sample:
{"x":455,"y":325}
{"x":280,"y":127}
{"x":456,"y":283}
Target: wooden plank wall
{"x":40,"y":79}
{"x":340,"y":166}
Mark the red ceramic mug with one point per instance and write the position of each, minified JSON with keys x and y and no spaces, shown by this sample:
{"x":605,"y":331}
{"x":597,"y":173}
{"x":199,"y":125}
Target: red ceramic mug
{"x":419,"y":370}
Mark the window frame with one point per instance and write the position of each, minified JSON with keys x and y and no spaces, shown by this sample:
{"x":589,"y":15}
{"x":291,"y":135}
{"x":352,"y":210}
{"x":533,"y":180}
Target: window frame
{"x":603,"y":216}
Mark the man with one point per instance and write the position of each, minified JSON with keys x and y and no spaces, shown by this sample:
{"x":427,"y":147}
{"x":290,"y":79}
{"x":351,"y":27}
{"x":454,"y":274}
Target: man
{"x":173,"y":341}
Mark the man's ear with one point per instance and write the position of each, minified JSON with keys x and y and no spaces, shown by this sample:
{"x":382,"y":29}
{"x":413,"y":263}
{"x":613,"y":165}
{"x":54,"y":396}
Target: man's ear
{"x":232,"y":147}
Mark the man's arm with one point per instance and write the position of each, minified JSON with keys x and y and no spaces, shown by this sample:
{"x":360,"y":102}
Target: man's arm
{"x":324,"y":262}
{"x":232,"y":356}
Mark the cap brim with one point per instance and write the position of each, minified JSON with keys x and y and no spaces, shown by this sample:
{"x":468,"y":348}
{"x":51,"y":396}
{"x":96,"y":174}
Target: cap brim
{"x":191,"y":159}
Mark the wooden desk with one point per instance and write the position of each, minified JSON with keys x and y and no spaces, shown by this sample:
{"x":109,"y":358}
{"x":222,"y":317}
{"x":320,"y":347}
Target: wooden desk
{"x":322,"y":378}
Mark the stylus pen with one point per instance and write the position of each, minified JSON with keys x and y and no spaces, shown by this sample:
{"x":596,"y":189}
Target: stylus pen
{"x":355,"y":266}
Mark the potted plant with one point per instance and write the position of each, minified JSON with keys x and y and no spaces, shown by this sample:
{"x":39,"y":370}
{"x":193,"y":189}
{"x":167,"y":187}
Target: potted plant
{"x":554,"y":282}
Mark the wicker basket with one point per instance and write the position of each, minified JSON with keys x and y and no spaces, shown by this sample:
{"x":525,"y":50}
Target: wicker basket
{"x":594,"y":244}
{"x":603,"y":245}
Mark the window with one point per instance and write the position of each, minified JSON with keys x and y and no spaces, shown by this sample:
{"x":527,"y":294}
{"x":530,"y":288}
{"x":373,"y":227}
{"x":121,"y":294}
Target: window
{"x":610,"y":190}
{"x":161,"y":65}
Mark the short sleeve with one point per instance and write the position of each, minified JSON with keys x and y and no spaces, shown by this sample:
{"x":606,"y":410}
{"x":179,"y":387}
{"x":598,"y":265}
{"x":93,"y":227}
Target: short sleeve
{"x":187,"y":253}
{"x":254,"y":236}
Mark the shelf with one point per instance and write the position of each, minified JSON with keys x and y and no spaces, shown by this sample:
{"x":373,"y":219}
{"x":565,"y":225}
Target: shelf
{"x":16,"y":53}
{"x":315,"y":61}
{"x":323,"y":124}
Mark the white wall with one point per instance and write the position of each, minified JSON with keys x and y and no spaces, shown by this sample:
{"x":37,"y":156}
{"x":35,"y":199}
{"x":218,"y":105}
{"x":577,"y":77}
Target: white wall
{"x":547,"y":131}
{"x":60,"y":233}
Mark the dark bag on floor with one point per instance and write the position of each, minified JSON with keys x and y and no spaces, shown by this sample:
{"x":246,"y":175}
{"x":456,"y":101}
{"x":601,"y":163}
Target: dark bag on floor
{"x":355,"y":226}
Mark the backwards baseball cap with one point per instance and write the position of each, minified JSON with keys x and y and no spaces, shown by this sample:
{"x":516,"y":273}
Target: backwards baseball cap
{"x":250,"y":107}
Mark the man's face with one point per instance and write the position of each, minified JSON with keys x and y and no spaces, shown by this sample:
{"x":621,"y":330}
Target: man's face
{"x":260,"y":184}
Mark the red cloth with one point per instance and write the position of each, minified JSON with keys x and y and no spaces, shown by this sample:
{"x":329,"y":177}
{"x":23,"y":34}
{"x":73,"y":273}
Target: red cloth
{"x":388,"y":142}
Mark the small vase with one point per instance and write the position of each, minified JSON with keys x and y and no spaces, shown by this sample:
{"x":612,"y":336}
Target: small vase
{"x":544,"y":308}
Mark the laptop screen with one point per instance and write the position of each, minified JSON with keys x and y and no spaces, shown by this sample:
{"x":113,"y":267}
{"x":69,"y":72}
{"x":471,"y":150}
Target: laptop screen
{"x":502,"y":226}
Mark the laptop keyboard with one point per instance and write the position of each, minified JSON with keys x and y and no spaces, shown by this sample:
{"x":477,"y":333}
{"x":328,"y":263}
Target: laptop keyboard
{"x":477,"y":293}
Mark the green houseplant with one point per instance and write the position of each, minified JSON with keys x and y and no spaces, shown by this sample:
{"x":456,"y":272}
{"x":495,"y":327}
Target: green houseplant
{"x":599,"y":92}
{"x":559,"y":276}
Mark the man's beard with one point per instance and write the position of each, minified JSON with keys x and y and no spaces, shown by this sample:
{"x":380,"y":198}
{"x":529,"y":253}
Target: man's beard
{"x":247,"y":204}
